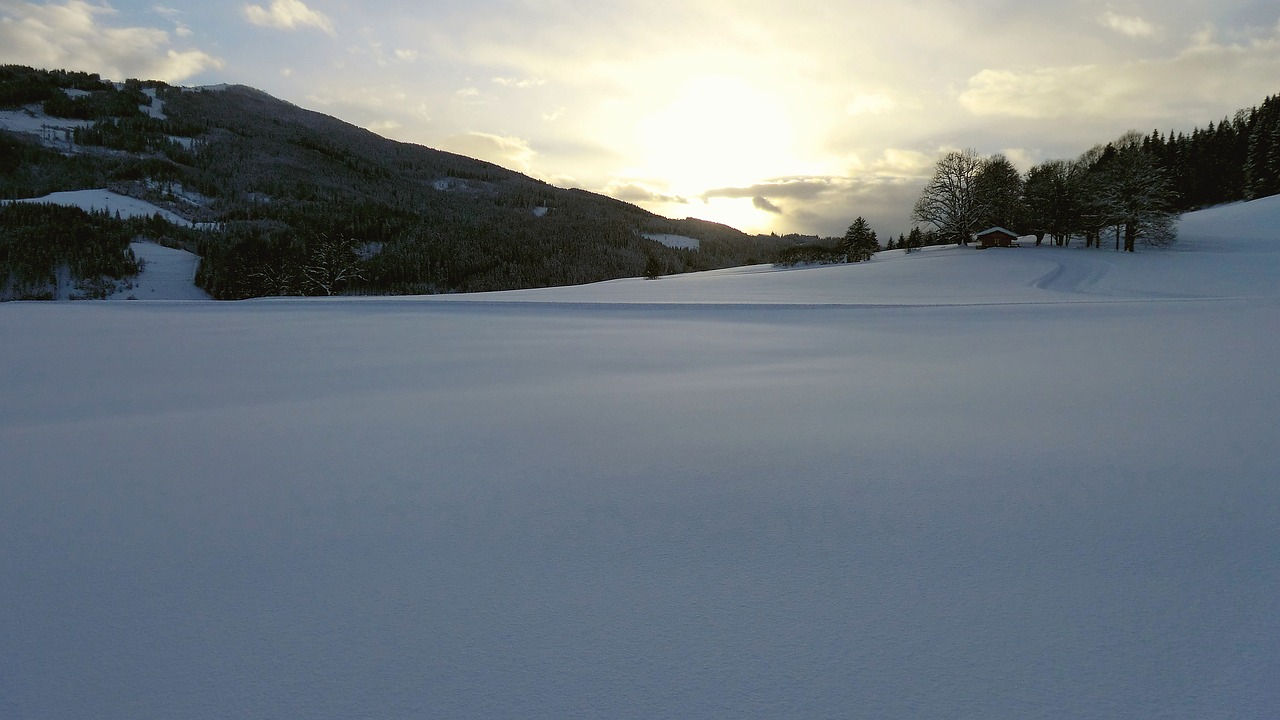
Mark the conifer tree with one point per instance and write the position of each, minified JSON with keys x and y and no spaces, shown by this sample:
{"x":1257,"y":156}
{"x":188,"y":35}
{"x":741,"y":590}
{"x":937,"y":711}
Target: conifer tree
{"x":859,"y":241}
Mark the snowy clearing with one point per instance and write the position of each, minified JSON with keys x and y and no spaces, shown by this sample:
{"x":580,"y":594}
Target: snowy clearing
{"x":1024,"y":483}
{"x":114,"y":203}
{"x":679,"y":242}
{"x":156,"y":108}
{"x":33,"y":120}
{"x":167,"y":274}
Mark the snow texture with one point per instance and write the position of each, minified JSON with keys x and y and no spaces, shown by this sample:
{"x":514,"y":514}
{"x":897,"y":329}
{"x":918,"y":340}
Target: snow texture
{"x":1024,"y":483}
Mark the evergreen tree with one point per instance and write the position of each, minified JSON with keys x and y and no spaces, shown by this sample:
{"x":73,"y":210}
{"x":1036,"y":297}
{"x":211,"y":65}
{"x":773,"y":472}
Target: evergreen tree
{"x":859,"y":241}
{"x":1048,"y":202}
{"x":915,"y":239}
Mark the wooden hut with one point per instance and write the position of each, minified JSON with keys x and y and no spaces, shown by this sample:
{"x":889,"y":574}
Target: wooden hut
{"x":996,"y":237}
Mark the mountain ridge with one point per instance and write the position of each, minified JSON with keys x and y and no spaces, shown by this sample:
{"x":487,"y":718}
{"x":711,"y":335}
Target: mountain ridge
{"x":300,"y":197}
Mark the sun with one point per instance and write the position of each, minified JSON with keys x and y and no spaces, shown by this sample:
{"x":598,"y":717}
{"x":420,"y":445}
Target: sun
{"x":717,"y":131}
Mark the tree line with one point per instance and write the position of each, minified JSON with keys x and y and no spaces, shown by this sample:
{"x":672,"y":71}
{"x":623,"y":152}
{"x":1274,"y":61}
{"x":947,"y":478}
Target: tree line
{"x":1128,"y":191}
{"x":1118,"y":187}
{"x":47,"y":251}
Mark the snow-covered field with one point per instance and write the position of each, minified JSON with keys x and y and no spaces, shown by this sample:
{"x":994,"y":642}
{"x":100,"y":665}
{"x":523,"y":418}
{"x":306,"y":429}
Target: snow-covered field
{"x":1030,"y":483}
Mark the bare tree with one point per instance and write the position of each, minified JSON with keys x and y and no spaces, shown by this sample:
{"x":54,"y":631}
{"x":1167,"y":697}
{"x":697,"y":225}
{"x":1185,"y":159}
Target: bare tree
{"x":330,"y":264}
{"x":950,"y":201}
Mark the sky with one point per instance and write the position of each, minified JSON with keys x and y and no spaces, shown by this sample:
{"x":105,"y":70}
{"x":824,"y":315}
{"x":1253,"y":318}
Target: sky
{"x":783,"y":117}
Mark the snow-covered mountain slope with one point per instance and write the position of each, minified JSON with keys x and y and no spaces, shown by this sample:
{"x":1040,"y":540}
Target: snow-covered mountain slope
{"x":1029,"y":483}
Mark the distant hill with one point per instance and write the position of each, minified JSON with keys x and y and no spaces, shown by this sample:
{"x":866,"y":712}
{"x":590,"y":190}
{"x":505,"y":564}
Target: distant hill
{"x":296,"y":202}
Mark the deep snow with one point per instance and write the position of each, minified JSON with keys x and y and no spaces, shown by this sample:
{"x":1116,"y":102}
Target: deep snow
{"x":1028,"y":483}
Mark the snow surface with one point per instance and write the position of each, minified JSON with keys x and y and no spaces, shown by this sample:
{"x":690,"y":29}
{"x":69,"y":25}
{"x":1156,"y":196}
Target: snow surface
{"x":156,"y":108}
{"x":32,"y":119}
{"x":1026,"y":483}
{"x":114,"y":203}
{"x":167,"y":274}
{"x":675,"y":241}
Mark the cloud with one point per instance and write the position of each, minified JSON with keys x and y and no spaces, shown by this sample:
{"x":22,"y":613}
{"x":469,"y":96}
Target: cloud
{"x":519,"y":83}
{"x":761,"y":203}
{"x":788,"y":188}
{"x":898,"y":163}
{"x":288,"y":15}
{"x":71,"y":35}
{"x":638,"y":193}
{"x":1129,"y":25}
{"x":870,"y":104}
{"x":509,"y":152}
{"x":1162,"y":89}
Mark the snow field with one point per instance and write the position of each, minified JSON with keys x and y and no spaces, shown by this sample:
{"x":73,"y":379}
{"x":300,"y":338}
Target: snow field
{"x":1033,"y":483}
{"x":113,"y":203}
{"x":167,"y":274}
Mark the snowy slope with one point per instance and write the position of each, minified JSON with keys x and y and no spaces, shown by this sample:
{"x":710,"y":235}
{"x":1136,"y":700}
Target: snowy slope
{"x":1028,"y":483}
{"x":33,"y":120}
{"x":167,"y":274}
{"x":113,"y":203}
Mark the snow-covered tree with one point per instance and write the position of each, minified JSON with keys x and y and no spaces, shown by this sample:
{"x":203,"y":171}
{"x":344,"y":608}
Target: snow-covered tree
{"x":330,"y":265}
{"x":1135,"y":193}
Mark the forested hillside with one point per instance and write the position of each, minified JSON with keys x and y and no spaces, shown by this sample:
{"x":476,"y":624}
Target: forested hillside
{"x":302,"y":203}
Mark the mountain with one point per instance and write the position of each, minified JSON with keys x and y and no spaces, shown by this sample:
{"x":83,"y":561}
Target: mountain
{"x":297,"y":202}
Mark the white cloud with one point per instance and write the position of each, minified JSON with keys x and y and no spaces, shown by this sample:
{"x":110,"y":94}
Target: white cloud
{"x":71,"y":35}
{"x":1130,"y":25}
{"x":871,"y":104}
{"x":520,"y":83}
{"x":1158,"y":89}
{"x":288,"y":15}
{"x":899,"y":163}
{"x":384,"y":127}
{"x":511,"y":152}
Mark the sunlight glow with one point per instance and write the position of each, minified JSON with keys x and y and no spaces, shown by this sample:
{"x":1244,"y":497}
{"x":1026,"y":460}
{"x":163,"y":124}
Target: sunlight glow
{"x":717,"y":131}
